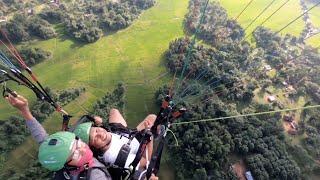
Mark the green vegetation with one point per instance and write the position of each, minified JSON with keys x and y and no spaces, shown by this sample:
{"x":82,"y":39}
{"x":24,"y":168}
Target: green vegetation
{"x":22,"y":27}
{"x":132,"y":56}
{"x":274,"y":64}
{"x":32,"y":56}
{"x":84,"y":21}
{"x":280,"y":19}
{"x":315,"y":18}
{"x":240,"y":81}
{"x":7,"y":7}
{"x":111,"y":100}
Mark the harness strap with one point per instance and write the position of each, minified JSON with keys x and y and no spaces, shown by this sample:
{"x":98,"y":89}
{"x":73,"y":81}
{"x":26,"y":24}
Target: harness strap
{"x":146,"y":138}
{"x":123,"y":155}
{"x":156,"y":158}
{"x":88,"y":173}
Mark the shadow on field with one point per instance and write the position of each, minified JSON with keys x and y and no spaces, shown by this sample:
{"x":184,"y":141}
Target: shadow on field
{"x":163,"y":60}
{"x":77,"y":43}
{"x":63,"y":35}
{"x":107,"y":33}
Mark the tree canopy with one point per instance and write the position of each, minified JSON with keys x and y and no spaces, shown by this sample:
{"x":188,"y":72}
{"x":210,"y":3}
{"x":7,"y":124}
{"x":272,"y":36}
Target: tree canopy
{"x":232,"y":71}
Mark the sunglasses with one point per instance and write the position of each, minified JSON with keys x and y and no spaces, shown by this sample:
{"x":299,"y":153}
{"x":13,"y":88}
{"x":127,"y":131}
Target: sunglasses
{"x":76,"y":155}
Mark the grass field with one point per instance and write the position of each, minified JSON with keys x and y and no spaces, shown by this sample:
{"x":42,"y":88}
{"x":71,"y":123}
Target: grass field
{"x":133,"y":56}
{"x":314,"y":15}
{"x":286,"y":14}
{"x":315,"y":18}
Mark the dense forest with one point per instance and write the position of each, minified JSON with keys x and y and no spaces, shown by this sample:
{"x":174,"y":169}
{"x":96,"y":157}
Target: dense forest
{"x":85,"y":21}
{"x":221,"y":80}
{"x":9,"y":6}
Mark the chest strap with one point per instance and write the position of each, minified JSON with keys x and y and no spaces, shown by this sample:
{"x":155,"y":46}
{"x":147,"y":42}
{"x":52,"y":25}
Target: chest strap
{"x":123,"y":154}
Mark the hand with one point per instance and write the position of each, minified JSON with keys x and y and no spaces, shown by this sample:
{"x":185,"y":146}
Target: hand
{"x":21,"y":104}
{"x":153,"y":177}
{"x":98,"y":120}
{"x":147,"y":124}
{"x":18,"y":102}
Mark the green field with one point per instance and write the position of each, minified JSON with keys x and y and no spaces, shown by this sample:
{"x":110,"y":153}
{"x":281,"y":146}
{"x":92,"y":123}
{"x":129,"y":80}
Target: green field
{"x":314,"y":15}
{"x":286,"y":14}
{"x":133,"y":56}
{"x":315,"y":18}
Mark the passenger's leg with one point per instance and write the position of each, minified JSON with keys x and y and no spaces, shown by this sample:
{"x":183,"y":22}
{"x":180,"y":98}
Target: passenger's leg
{"x":147,"y":123}
{"x":116,"y":117}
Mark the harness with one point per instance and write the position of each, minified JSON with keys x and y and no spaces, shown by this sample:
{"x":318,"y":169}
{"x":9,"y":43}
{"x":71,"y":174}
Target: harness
{"x":117,"y":169}
{"x":167,"y":114}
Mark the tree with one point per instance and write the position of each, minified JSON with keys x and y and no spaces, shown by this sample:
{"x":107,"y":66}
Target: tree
{"x":200,"y":174}
{"x":33,"y":56}
{"x":41,"y":28}
{"x":52,"y":15}
{"x":216,"y":29}
{"x":111,"y":100}
{"x":17,"y":32}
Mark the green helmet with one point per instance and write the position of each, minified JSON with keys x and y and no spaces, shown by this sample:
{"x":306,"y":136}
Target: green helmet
{"x":55,"y":150}
{"x":83,"y":131}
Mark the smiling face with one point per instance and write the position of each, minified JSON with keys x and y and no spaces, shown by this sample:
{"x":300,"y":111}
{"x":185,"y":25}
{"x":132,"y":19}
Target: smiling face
{"x":79,"y":151}
{"x":99,"y":137}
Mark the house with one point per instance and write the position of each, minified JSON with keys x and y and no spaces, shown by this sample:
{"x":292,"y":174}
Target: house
{"x":292,"y":132}
{"x":271,"y":98}
{"x":290,"y":89}
{"x":249,"y":175}
{"x":55,"y":3}
{"x":284,"y":83}
{"x":88,"y":15}
{"x":30,"y":11}
{"x":3,"y":19}
{"x":294,"y":125}
{"x":267,"y":67}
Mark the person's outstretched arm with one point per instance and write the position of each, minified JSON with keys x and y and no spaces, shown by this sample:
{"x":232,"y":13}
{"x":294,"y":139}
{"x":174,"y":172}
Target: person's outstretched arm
{"x":36,"y":129}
